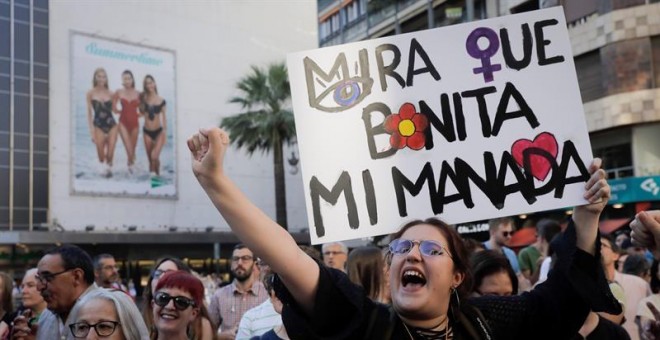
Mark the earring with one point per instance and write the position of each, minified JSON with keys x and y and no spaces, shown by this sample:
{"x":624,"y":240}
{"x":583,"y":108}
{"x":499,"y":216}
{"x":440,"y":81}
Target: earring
{"x":455,"y":293}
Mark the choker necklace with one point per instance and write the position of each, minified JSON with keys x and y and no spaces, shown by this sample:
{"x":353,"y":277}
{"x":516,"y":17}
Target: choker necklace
{"x":430,"y":331}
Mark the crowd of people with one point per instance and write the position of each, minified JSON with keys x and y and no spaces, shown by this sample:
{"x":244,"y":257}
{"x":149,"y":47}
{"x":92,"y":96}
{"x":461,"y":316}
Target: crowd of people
{"x":428,"y":283}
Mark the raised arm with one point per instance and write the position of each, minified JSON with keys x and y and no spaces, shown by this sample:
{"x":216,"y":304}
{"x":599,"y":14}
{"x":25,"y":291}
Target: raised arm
{"x":254,"y":228}
{"x":586,"y":216}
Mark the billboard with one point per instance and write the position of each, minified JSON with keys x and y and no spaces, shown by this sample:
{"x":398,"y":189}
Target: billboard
{"x":123,"y":113}
{"x":466,"y":122}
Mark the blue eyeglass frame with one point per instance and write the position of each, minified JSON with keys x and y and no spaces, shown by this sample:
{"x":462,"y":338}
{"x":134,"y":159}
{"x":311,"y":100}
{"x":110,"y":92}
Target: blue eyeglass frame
{"x":422,"y":245}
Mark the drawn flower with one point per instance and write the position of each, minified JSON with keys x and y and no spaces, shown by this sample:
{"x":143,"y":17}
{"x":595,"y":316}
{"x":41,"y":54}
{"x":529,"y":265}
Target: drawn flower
{"x":406,"y":128}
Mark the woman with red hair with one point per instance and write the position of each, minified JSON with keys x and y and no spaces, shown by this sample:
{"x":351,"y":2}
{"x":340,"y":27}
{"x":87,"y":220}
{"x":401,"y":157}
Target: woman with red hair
{"x":177,"y":301}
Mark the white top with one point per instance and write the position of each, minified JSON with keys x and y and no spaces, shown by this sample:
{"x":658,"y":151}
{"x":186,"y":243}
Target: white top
{"x":635,"y":289}
{"x":644,"y":311}
{"x":258,"y":320}
{"x":545,"y":268}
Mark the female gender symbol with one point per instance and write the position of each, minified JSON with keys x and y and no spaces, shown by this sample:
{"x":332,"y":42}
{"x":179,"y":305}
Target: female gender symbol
{"x":475,"y":52}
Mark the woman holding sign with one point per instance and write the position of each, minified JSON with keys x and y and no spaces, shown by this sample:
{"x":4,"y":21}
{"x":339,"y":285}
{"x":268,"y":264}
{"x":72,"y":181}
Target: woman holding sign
{"x":429,"y":275}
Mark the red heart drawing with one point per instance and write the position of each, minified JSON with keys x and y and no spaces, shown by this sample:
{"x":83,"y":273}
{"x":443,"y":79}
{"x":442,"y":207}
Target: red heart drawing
{"x":540,"y":166}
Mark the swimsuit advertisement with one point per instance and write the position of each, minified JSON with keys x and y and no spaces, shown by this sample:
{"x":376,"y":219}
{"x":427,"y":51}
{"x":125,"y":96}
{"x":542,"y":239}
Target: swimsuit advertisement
{"x":123,"y":107}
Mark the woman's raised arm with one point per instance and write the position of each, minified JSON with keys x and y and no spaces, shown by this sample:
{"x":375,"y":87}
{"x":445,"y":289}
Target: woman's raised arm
{"x":259,"y":232}
{"x":586,"y":216}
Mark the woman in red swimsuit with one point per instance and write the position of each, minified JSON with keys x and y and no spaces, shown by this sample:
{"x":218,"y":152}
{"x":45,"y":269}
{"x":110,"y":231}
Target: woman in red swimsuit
{"x":129,"y":98}
{"x":153,"y":108}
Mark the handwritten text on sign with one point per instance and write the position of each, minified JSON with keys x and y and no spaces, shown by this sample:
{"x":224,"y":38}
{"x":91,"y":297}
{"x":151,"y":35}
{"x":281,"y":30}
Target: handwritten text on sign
{"x":466,"y":122}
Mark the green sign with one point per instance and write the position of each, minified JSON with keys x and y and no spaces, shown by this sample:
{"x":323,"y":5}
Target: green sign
{"x":635,"y":189}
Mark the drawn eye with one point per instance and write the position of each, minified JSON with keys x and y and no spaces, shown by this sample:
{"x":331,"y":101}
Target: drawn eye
{"x":344,"y":94}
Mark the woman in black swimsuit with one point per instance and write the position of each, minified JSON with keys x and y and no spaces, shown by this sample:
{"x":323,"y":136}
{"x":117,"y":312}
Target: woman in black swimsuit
{"x":102,"y":124}
{"x":153,"y":109}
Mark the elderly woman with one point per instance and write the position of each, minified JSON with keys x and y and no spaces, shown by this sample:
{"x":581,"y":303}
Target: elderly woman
{"x":109,"y":314}
{"x":429,"y":274}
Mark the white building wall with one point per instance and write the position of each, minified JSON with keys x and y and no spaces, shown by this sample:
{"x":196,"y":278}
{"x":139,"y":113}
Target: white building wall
{"x":215,"y":43}
{"x":646,"y":149}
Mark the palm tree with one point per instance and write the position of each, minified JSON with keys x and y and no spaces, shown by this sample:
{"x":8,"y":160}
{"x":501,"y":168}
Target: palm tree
{"x":267,"y":122}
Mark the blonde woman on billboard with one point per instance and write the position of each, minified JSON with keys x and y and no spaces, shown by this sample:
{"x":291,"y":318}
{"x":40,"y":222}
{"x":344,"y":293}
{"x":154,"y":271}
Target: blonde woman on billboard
{"x":102,"y":124}
{"x":153,"y":108}
{"x":129,"y":98}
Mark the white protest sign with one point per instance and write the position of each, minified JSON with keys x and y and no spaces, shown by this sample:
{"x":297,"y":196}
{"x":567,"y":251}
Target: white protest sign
{"x":466,"y":122}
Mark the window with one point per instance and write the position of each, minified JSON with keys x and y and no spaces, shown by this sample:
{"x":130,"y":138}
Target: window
{"x":590,"y":76}
{"x":22,"y":13}
{"x":21,"y":183}
{"x":21,"y":113}
{"x":41,"y":117}
{"x":41,"y":72}
{"x":41,"y":45}
{"x":4,"y":111}
{"x":5,"y":85}
{"x":22,"y":68}
{"x":5,"y":66}
{"x":41,"y":144}
{"x":21,"y":41}
{"x":615,"y":149}
{"x":41,"y":189}
{"x":4,"y":37}
{"x":43,"y":4}
{"x":40,"y":17}
{"x":4,"y":10}
{"x":655,"y":52}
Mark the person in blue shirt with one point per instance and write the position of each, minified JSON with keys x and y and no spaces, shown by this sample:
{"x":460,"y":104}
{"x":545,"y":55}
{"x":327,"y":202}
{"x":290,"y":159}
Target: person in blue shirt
{"x":501,"y":230}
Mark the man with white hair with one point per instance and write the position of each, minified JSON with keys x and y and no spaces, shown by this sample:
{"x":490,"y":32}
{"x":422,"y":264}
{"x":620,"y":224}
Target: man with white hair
{"x":335,"y":255}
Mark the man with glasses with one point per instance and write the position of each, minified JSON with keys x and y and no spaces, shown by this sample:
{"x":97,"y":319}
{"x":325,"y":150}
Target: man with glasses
{"x":501,"y":230}
{"x":335,"y":255}
{"x":106,"y":272}
{"x":64,"y":275}
{"x":230,"y":302}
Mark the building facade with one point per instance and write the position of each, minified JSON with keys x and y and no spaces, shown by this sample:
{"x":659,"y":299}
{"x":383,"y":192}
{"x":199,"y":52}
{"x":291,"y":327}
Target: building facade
{"x":51,"y":190}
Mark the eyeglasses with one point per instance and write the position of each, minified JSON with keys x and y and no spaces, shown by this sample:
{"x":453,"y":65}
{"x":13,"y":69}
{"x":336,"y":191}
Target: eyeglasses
{"x":333,"y":253}
{"x":104,"y":328}
{"x":244,"y":258}
{"x":180,"y":302}
{"x":507,"y":233}
{"x":426,"y":247}
{"x":158,"y":273}
{"x":45,"y":278}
